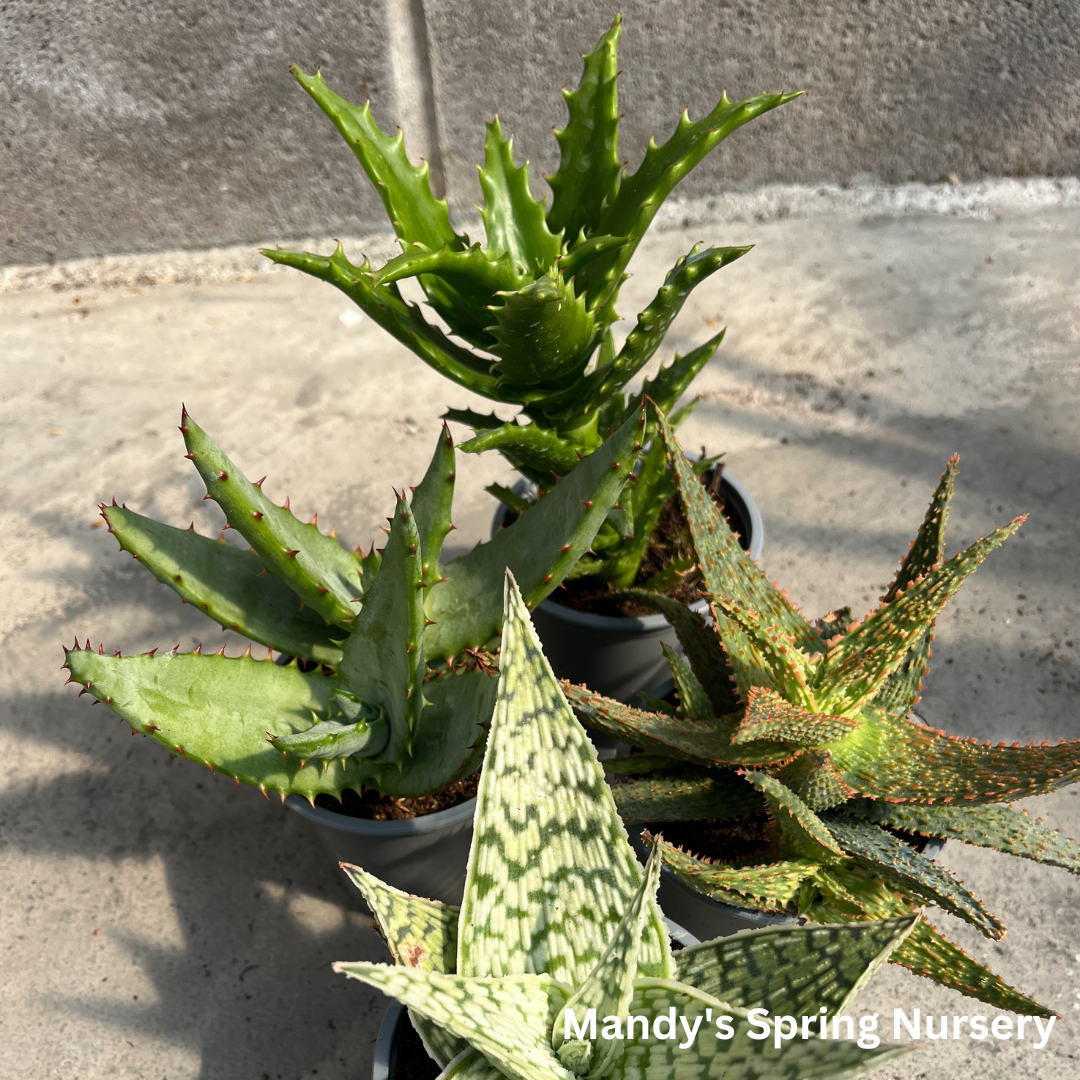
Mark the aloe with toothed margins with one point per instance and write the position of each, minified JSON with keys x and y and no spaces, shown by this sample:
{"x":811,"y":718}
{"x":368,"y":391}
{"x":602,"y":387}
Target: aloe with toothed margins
{"x":809,"y":723}
{"x":533,"y":306}
{"x":396,"y":688}
{"x":558,"y":919}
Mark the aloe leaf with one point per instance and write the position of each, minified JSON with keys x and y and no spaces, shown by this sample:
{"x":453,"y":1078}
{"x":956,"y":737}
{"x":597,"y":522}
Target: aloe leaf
{"x":470,"y":1064}
{"x":544,"y":809}
{"x":589,"y":164}
{"x":883,"y":855}
{"x":801,"y":833}
{"x":793,"y":970}
{"x":323,"y":575}
{"x":693,"y":700}
{"x":727,"y":569}
{"x":711,"y":1058}
{"x":654,"y":322}
{"x":507,"y":1019}
{"x":672,"y":381}
{"x":513,"y":219}
{"x":515,"y":503}
{"x":895,"y":759}
{"x":538,"y":452}
{"x":385,"y":306}
{"x":769,"y":716}
{"x":332,"y":739}
{"x":609,"y":989}
{"x":432,"y":503}
{"x":229,"y":585}
{"x":583,"y":252}
{"x":417,"y":216}
{"x":856,"y":667}
{"x":707,"y":794}
{"x":815,"y":779}
{"x":698,"y":742}
{"x":997,"y":827}
{"x":540,"y":548}
{"x":640,"y":196}
{"x":384,"y":656}
{"x":772,"y":886}
{"x":419,"y":933}
{"x":471,"y":271}
{"x":700,"y":643}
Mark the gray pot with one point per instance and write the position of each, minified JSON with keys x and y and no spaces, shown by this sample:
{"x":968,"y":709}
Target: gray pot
{"x":426,"y":855}
{"x":396,"y":1027}
{"x":619,"y":655}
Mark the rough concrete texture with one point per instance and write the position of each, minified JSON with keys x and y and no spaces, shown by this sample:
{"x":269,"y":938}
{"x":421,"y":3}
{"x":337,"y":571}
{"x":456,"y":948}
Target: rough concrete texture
{"x":158,"y":922}
{"x":144,"y":127}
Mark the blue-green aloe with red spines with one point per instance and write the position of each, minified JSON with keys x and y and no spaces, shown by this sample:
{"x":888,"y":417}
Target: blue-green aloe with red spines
{"x":809,"y":722}
{"x":530,"y":309}
{"x":392,"y":683}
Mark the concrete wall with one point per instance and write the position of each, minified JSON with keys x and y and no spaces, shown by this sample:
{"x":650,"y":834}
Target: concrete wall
{"x":142,"y":125}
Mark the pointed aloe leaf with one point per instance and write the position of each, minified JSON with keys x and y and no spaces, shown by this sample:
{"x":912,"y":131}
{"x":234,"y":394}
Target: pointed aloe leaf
{"x":815,"y":779}
{"x":609,"y":988}
{"x":856,"y":667}
{"x":330,"y":739}
{"x":793,"y":970}
{"x":896,"y":759}
{"x":419,"y":933}
{"x":470,"y":1064}
{"x":800,"y":832}
{"x":582,"y":253}
{"x":507,"y":1019}
{"x":769,"y":716}
{"x":672,"y":381}
{"x":693,"y":700}
{"x":548,"y":851}
{"x":883,"y":855}
{"x":589,"y":165}
{"x":417,"y":216}
{"x":471,"y":271}
{"x":229,"y":585}
{"x":772,"y":886}
{"x":540,"y":453}
{"x":540,"y":548}
{"x":689,"y":795}
{"x":384,"y":656}
{"x":323,"y":575}
{"x":640,"y":196}
{"x":727,"y":569}
{"x":696,"y":741}
{"x":399,"y":318}
{"x":544,"y":335}
{"x":700,"y":643}
{"x":711,"y":1058}
{"x":432,"y":503}
{"x":513,"y":219}
{"x":654,"y":322}
{"x":998,"y":827}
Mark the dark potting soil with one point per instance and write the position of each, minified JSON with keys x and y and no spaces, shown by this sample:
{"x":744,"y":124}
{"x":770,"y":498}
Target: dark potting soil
{"x":670,"y":541}
{"x":411,"y":1060}
{"x":734,"y":840}
{"x":374,"y":806}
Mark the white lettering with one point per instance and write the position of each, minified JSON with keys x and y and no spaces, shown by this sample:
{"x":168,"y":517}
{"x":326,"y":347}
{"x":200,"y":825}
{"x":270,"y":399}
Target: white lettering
{"x":631,"y":1021}
{"x":588,"y":1025}
{"x":669,"y":1020}
{"x":724,"y":1030}
{"x":761,"y":1027}
{"x":779,"y":1032}
{"x":943,"y":1033}
{"x":978,"y":1028}
{"x":612,"y":1028}
{"x":1002,"y":1027}
{"x":899,"y":1017}
{"x":956,"y":1022}
{"x":837,"y":1021}
{"x":1044,"y":1032}
{"x":691,"y":1032}
{"x":806,"y":1022}
{"x":867,"y":1027}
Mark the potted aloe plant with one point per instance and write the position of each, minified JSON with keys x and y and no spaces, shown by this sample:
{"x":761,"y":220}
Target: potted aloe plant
{"x":559,"y":919}
{"x":793,"y":759}
{"x":383,"y":710}
{"x":531,"y":309}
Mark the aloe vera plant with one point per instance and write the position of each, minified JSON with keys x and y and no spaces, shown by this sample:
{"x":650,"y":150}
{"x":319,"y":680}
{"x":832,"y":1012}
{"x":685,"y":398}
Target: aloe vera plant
{"x":533,"y":305}
{"x":396,"y":687}
{"x":809,"y":723}
{"x":558,"y":917}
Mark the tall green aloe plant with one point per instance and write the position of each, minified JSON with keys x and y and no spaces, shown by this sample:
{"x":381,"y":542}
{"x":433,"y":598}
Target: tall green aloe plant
{"x":558,"y":917}
{"x":395,"y":691}
{"x":809,"y":721}
{"x":532,"y":306}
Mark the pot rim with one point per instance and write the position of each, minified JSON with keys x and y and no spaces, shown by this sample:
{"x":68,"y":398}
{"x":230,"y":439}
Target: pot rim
{"x":656,"y":623}
{"x":441,"y":819}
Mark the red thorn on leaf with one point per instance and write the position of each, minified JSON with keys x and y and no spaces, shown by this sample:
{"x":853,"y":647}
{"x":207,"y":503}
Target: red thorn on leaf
{"x":223,"y":475}
{"x":285,"y":504}
{"x":587,"y":503}
{"x":207,"y":496}
{"x":259,"y":484}
{"x":190,"y":457}
{"x":547,"y":579}
{"x":292,"y":552}
{"x":151,"y":652}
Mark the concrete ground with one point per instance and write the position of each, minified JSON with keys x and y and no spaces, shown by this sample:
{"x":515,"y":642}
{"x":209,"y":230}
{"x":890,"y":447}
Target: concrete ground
{"x":158,"y":922}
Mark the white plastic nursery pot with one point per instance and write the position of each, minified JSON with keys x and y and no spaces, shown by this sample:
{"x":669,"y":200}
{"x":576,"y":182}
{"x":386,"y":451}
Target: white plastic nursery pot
{"x":618,"y":655}
{"x":425,"y":855}
{"x":399,"y":1053}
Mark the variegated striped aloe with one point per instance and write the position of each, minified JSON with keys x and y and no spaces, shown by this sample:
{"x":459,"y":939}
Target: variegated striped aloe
{"x":533,"y":305}
{"x":810,"y":722}
{"x":396,"y":691}
{"x":558,"y":918}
